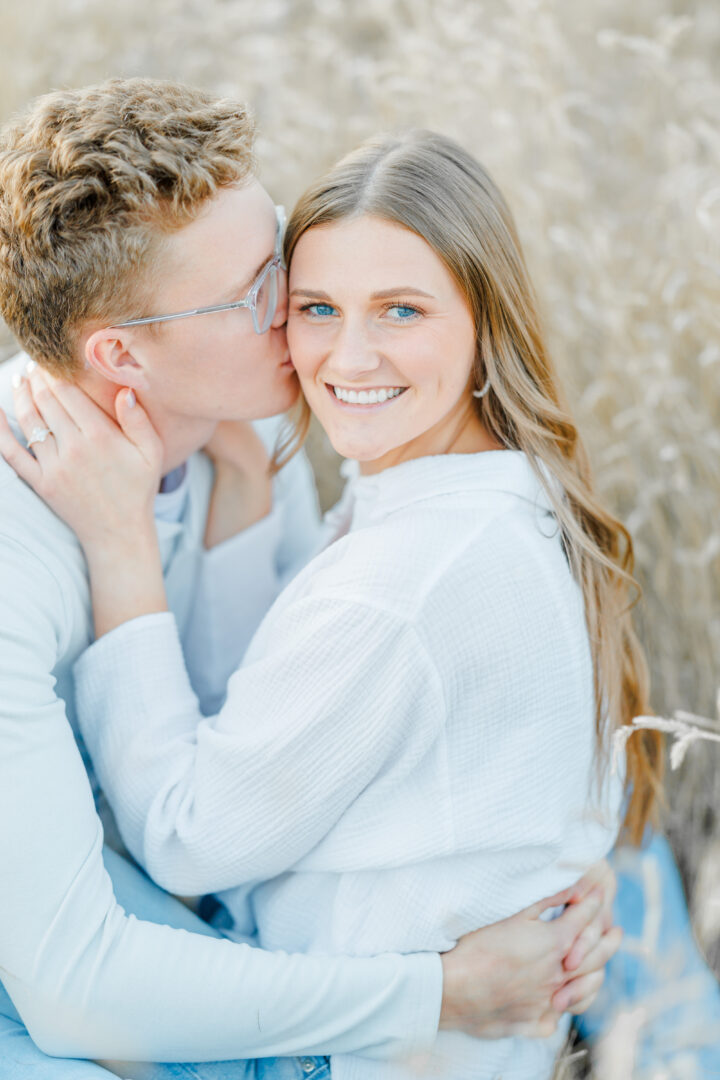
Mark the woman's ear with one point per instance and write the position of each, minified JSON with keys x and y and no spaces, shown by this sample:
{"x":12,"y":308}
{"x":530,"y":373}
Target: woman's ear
{"x":109,"y":352}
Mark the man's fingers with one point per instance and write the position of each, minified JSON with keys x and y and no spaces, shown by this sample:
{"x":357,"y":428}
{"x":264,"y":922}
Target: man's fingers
{"x":601,"y":875}
{"x":582,"y":1006}
{"x":578,"y":994}
{"x":20,"y":459}
{"x":598,"y":957}
{"x":584,"y":944}
{"x":577,"y":917}
{"x":559,"y":899}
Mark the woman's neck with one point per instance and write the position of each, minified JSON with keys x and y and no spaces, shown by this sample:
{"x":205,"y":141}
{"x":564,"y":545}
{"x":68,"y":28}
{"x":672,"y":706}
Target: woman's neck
{"x":464,"y":435}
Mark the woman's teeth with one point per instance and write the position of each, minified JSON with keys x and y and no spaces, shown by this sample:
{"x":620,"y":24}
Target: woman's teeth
{"x":367,"y":397}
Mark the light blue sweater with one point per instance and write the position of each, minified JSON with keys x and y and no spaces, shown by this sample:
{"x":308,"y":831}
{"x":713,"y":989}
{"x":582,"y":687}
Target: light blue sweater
{"x":87,"y":980}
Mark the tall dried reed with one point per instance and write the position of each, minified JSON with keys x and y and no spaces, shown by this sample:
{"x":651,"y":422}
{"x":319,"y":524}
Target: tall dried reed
{"x":600,"y":122}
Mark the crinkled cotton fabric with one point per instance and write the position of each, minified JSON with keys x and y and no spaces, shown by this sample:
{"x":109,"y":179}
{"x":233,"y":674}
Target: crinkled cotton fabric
{"x":407,"y":751}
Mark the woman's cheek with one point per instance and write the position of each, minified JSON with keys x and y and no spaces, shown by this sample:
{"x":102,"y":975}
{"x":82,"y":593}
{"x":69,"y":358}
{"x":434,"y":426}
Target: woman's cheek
{"x":298,"y":343}
{"x":295,"y":345}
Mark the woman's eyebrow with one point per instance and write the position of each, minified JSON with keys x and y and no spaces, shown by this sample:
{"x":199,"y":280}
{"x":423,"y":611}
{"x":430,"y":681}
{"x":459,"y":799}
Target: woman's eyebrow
{"x":310,"y":293}
{"x":384,"y":294}
{"x":404,"y":290}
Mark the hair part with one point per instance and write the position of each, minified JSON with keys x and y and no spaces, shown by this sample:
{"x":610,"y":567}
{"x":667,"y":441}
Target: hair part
{"x":432,"y":186}
{"x":91,"y":181}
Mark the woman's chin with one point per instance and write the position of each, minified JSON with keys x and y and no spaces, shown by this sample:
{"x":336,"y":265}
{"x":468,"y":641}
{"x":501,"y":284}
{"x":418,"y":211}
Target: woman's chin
{"x":348,"y":448}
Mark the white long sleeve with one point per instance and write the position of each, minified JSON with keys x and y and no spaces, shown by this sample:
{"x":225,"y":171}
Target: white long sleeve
{"x":208,"y":804}
{"x":407,"y":751}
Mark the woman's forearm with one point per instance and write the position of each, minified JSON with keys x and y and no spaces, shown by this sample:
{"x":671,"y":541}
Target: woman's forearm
{"x":242,"y":494}
{"x":238,"y":501}
{"x":126,"y":579}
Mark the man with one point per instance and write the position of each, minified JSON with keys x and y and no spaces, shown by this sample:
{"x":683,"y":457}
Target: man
{"x":117,"y":203}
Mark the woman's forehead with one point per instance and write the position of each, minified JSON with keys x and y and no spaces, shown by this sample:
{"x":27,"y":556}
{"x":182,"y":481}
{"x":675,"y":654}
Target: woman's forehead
{"x":367,"y":248}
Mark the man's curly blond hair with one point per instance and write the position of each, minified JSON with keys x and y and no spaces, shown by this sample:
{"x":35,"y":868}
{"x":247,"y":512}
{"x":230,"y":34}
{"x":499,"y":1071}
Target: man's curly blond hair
{"x":91,"y":181}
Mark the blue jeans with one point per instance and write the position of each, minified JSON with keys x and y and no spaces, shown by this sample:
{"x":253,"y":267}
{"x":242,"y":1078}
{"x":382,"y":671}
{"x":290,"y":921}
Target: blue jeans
{"x":303,"y":1068}
{"x":20,"y":1059}
{"x":658,"y":969}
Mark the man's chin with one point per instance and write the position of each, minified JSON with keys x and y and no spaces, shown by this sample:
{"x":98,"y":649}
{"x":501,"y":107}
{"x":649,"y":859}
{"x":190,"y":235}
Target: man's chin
{"x":273,"y":404}
{"x":280,"y":402}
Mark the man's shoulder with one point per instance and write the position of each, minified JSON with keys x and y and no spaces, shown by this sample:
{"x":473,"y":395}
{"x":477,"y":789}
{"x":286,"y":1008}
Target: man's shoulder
{"x":34,"y":542}
{"x":29,"y":531}
{"x":8,"y":368}
{"x":43,"y":578}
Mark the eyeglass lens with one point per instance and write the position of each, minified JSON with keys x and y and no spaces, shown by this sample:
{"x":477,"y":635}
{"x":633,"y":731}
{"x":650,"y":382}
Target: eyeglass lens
{"x":266,"y":300}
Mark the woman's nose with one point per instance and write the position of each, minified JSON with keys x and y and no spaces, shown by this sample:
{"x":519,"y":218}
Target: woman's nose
{"x":352,"y":354}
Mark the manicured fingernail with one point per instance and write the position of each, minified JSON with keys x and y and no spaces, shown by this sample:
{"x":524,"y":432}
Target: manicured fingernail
{"x":30,"y":366}
{"x":130,"y":399}
{"x":16,"y":381}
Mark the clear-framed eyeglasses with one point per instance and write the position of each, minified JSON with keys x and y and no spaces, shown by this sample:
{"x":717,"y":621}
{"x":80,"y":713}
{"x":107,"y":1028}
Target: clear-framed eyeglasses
{"x":261,"y":298}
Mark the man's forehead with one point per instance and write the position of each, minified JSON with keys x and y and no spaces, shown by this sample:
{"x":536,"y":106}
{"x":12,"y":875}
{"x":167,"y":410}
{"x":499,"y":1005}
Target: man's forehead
{"x":229,"y":242}
{"x":242,"y":286}
{"x":241,"y":213}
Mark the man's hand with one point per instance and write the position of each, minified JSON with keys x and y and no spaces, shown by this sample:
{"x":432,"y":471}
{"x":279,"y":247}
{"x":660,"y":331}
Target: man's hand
{"x":512,"y":978}
{"x":242,"y":493}
{"x":600,"y":875}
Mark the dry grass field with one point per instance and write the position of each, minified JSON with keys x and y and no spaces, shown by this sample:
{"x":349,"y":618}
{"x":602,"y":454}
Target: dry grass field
{"x":600,"y":121}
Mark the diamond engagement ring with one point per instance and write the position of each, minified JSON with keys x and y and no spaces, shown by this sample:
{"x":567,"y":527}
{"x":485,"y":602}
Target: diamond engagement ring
{"x":39,"y":434}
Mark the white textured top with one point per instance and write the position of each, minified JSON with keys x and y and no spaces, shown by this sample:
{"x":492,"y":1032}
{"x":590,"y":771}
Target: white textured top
{"x":88,"y":980}
{"x":406,"y":752}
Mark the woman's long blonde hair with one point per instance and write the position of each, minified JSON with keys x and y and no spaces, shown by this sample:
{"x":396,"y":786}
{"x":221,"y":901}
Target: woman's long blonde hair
{"x":429,"y":184}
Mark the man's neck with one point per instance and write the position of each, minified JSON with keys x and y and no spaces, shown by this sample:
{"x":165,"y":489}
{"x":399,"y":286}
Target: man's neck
{"x":181,"y":436}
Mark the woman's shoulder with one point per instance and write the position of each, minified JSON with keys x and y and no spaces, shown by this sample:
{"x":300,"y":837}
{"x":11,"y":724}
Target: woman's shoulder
{"x":410,"y":540}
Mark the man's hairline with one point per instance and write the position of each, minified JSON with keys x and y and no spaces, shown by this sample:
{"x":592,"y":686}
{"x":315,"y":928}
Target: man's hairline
{"x":159,"y":236}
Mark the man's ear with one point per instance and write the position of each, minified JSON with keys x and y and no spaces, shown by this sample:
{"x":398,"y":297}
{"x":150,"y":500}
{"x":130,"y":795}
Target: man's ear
{"x":110,"y":353}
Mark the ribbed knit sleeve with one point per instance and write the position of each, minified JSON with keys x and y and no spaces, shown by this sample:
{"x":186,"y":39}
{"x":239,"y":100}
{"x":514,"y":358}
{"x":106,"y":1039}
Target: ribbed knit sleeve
{"x":339,"y":692}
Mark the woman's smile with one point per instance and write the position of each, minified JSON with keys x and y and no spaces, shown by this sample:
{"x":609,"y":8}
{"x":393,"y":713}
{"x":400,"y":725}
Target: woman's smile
{"x":365,"y":396}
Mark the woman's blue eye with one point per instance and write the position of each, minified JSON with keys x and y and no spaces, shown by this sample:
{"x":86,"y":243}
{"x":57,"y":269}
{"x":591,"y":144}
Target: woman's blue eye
{"x":322,"y":310}
{"x":403,"y":311}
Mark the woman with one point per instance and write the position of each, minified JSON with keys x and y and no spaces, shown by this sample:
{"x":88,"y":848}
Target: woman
{"x":453,"y":663}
